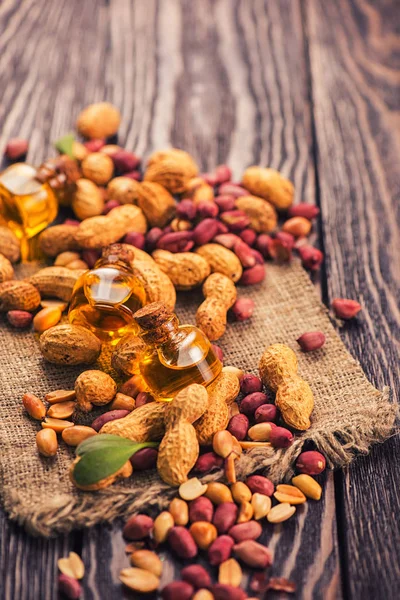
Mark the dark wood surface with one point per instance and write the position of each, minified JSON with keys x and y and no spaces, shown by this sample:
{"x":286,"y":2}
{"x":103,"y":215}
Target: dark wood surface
{"x":309,"y":87}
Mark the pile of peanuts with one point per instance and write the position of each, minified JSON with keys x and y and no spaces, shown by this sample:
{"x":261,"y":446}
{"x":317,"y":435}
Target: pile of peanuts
{"x":224,"y":522}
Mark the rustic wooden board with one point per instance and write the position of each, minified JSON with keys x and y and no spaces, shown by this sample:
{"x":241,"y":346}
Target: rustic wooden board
{"x":28,"y":565}
{"x":287,"y":84}
{"x":354,"y":56}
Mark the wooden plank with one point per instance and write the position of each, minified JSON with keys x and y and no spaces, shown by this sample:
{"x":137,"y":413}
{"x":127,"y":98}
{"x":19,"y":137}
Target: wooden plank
{"x":224,"y":85}
{"x":356,"y":95}
{"x":28,"y":565}
{"x":52,"y":59}
{"x":53,"y":62}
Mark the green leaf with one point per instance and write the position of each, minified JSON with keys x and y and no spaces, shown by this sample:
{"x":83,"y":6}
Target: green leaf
{"x":98,"y":463}
{"x":65,"y":145}
{"x":103,"y":440}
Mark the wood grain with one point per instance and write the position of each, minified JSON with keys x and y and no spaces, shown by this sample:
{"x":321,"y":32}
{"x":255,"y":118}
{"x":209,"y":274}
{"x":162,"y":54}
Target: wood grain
{"x":28,"y":567}
{"x":310,"y":88}
{"x":354,"y":57}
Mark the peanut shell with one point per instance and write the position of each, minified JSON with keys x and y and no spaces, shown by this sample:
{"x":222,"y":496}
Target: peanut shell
{"x":6,"y":269}
{"x":171,"y":168}
{"x":69,"y":345}
{"x":262,"y":214}
{"x":97,"y":167}
{"x":126,"y":354}
{"x":221,"y":260}
{"x":88,"y":200}
{"x":144,"y":424}
{"x":94,"y":387}
{"x":186,"y":270}
{"x":179,"y":448}
{"x":97,"y":232}
{"x":56,"y":282}
{"x":57,"y":239}
{"x":157,"y":285}
{"x":295,"y":400}
{"x":99,"y":120}
{"x":123,"y":190}
{"x":9,"y":244}
{"x":277,"y":363}
{"x":222,"y":392}
{"x":156,"y":202}
{"x":18,"y":295}
{"x":270,"y":185}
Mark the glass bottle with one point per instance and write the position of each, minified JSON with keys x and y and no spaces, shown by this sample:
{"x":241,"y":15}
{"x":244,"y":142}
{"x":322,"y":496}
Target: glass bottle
{"x":61,"y":173}
{"x":27,"y":206}
{"x":105,"y":298}
{"x":177,"y":355}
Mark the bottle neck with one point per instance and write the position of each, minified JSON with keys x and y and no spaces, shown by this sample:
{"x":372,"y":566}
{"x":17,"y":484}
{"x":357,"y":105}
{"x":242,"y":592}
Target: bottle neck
{"x":164,"y":333}
{"x":117,"y":264}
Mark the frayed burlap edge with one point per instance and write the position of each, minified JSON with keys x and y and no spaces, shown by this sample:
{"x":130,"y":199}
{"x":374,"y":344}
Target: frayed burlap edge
{"x":61,"y":514}
{"x":350,"y":414}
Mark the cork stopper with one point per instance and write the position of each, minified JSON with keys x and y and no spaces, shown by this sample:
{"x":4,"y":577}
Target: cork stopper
{"x":59,"y":172}
{"x":152,"y":316}
{"x":118,"y":252}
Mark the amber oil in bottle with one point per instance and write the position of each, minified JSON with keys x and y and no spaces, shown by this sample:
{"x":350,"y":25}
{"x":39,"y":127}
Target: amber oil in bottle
{"x":105,"y":298}
{"x":27,"y":206}
{"x":177,"y":355}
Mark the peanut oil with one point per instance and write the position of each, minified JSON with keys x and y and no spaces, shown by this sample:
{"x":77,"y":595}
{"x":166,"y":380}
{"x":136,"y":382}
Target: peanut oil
{"x":27,"y":206}
{"x":177,"y":355}
{"x":105,"y":298}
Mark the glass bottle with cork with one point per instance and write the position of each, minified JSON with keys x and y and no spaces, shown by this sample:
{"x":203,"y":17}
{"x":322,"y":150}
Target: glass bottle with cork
{"x":105,"y":298}
{"x":176,"y":355}
{"x":27,"y":206}
{"x":29,"y":198}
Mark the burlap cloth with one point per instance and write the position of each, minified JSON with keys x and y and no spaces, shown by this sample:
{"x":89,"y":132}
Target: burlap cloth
{"x":349,"y":415}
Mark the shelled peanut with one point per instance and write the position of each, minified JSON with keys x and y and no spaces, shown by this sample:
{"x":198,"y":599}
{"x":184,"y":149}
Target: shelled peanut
{"x":207,"y":518}
{"x":53,"y":412}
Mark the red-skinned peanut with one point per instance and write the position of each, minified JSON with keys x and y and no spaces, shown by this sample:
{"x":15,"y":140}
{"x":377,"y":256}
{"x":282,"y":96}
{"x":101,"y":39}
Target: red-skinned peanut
{"x":266,"y":413}
{"x":253,"y":275}
{"x":220,"y":550}
{"x":225,"y":516}
{"x":311,"y":462}
{"x":280,"y":437}
{"x":344,"y":308}
{"x":208,"y":461}
{"x":201,"y":509}
{"x":238,"y":426}
{"x":250,"y":383}
{"x":251,"y":402}
{"x":243,"y":309}
{"x":259,"y":484}
{"x":197,"y":576}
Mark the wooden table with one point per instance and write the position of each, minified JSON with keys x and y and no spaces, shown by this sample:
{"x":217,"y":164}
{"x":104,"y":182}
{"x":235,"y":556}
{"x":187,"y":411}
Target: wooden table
{"x":309,"y":87}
